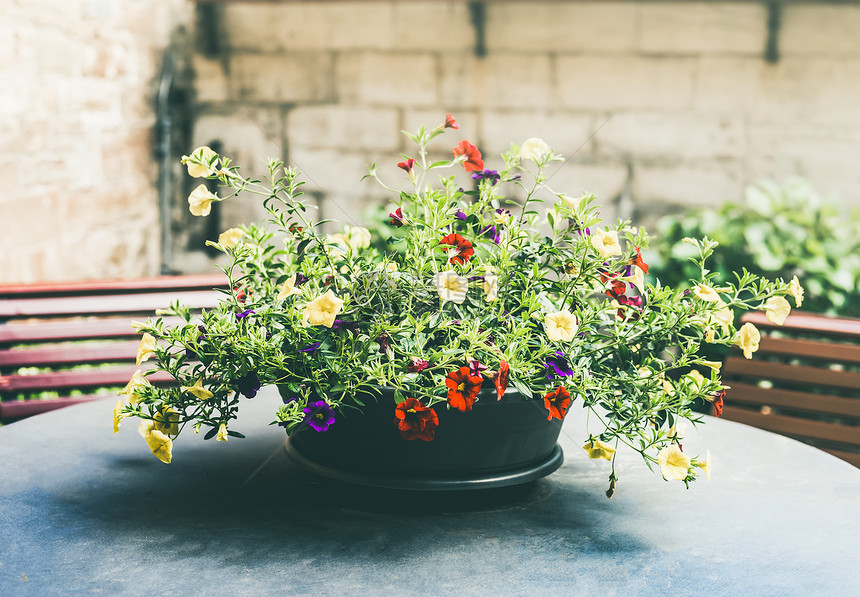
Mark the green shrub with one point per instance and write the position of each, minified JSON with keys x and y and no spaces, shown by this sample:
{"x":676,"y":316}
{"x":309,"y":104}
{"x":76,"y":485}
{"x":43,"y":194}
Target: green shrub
{"x":778,"y":231}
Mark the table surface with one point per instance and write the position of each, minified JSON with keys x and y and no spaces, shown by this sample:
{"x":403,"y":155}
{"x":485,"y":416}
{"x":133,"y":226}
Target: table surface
{"x":85,"y":511}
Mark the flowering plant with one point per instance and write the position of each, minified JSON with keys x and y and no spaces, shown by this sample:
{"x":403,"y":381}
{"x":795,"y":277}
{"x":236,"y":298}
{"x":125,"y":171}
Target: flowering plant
{"x":472,"y":290}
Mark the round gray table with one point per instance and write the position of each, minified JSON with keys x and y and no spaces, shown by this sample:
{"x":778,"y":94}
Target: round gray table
{"x":83,"y":511}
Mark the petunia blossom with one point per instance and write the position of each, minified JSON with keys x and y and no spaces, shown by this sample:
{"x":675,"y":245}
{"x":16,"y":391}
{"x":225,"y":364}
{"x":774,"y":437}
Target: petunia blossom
{"x":117,"y":415}
{"x":557,"y":402}
{"x":705,"y":465}
{"x":491,"y":287}
{"x":230,"y":238}
{"x":145,"y":349}
{"x":221,"y":435}
{"x":159,"y":444}
{"x":323,"y":309}
{"x":557,"y":366}
{"x":491,"y":175}
{"x":200,"y":201}
{"x":451,"y":287}
{"x":319,"y":415}
{"x":407,"y":165}
{"x":450,"y":123}
{"x":674,"y":464}
{"x":289,"y":288}
{"x":416,"y":365}
{"x":397,"y":219}
{"x":748,"y":338}
{"x":248,"y":385}
{"x":166,"y":421}
{"x":460,"y":250}
{"x":776,"y":309}
{"x":472,"y":157}
{"x":706,"y":293}
{"x":718,"y":403}
{"x":415,"y":421}
{"x":534,"y":149}
{"x":598,"y":449}
{"x":463,"y":388}
{"x":639,"y":262}
{"x":796,"y":290}
{"x":501,"y":378}
{"x":200,"y":162}
{"x":197,"y":390}
{"x":133,"y":386}
{"x":605,"y":242}
{"x":560,"y":326}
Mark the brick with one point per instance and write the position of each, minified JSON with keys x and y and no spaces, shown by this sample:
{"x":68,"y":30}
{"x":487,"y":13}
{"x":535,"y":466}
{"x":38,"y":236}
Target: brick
{"x":688,"y":184}
{"x":210,"y":81}
{"x":281,"y":78}
{"x":702,"y":27}
{"x":496,"y":81}
{"x":306,"y":26}
{"x":387,"y":79}
{"x":561,"y":27}
{"x":814,"y":30}
{"x":432,"y":26}
{"x":342,"y":127}
{"x":565,"y":133}
{"x":628,"y":82}
{"x":334,"y":173}
{"x":672,"y":136}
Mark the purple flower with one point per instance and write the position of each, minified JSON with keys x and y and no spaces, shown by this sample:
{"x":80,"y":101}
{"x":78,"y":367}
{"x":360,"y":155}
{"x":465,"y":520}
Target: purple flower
{"x":490,"y":175}
{"x":300,"y":279}
{"x":248,"y":384}
{"x":475,"y":367}
{"x":311,"y":347}
{"x":492,"y":232}
{"x":245,"y":314}
{"x":460,"y":215}
{"x":557,"y":366}
{"x":319,"y":415}
{"x":384,"y":342}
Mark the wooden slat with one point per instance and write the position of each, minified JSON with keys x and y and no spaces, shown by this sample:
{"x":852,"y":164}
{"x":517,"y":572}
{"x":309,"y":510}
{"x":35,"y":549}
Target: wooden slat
{"x":96,"y":287}
{"x":791,"y":373}
{"x":109,"y":376}
{"x":70,"y":354}
{"x":39,"y":331}
{"x":849,"y":457}
{"x":799,"y":321}
{"x":795,"y":427}
{"x":86,"y":305}
{"x":16,"y":409}
{"x":806,"y":401}
{"x":811,"y":349}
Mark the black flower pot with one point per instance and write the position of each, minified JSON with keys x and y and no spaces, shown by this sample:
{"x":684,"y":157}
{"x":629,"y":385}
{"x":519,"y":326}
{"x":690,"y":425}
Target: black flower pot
{"x":496,"y":444}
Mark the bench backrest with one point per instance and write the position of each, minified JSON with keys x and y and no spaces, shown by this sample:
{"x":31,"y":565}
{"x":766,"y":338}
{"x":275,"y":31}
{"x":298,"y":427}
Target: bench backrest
{"x":804,"y":382}
{"x":61,"y":344}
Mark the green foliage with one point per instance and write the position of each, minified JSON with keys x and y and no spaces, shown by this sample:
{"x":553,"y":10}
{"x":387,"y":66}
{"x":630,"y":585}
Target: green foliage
{"x":779,"y":231}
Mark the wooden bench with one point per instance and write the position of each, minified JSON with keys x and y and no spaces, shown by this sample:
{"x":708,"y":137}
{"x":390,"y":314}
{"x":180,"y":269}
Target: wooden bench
{"x":804,"y":382}
{"x":74,"y":342}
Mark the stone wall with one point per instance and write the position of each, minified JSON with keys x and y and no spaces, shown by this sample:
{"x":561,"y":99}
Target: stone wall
{"x":77,"y":81}
{"x":660,"y":104}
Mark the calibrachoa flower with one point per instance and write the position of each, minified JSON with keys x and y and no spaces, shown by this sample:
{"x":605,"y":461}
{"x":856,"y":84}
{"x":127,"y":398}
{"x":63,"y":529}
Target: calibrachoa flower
{"x":718,"y":403}
{"x":200,"y":201}
{"x":705,"y":466}
{"x":639,"y":262}
{"x":796,"y":291}
{"x":323,"y":309}
{"x":673,"y":463}
{"x":415,"y":421}
{"x":598,"y":449}
{"x":397,"y":218}
{"x":463,"y":388}
{"x":491,"y":175}
{"x":133,"y":387}
{"x":706,"y":293}
{"x":160,"y":445}
{"x":311,"y":348}
{"x":145,"y":349}
{"x":290,"y":287}
{"x":776,"y":309}
{"x":491,"y":287}
{"x":197,"y":390}
{"x":534,"y":149}
{"x":557,"y":402}
{"x":451,"y":287}
{"x":199,"y":161}
{"x":407,"y":165}
{"x":319,"y":415}
{"x":461,"y":250}
{"x":473,"y":160}
{"x":606,"y":242}
{"x":748,"y":338}
{"x":500,"y":379}
{"x":416,"y":365}
{"x":231,"y":237}
{"x":450,"y":123}
{"x":243,"y":314}
{"x":249,"y":384}
{"x":557,"y":366}
{"x":560,"y":326}
{"x":221,"y":435}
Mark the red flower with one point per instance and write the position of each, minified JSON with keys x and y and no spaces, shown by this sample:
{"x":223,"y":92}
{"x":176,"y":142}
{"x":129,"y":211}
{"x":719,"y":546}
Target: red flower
{"x":407,"y":165}
{"x":637,"y":261}
{"x":296,"y":229}
{"x":241,"y":294}
{"x":397,"y":218}
{"x":501,"y":379}
{"x":450,"y":123}
{"x":473,"y":156}
{"x":463,"y":388}
{"x":462,"y":251}
{"x":416,"y":365}
{"x":557,"y":402}
{"x":415,"y":421}
{"x":718,"y":404}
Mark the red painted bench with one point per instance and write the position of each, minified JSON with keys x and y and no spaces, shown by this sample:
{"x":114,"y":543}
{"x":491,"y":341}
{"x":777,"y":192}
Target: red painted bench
{"x":74,"y":341}
{"x":804,"y":382}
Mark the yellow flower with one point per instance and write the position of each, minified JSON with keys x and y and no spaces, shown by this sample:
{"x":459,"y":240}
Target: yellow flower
{"x":354,"y":237}
{"x":637,"y":278}
{"x":289,"y":288}
{"x":598,"y":449}
{"x":145,"y":349}
{"x":323,"y":309}
{"x":167,"y":421}
{"x":160,"y":445}
{"x":117,"y":415}
{"x":221,"y":436}
{"x":200,"y":201}
{"x":560,"y":326}
{"x":709,"y":335}
{"x":673,"y":463}
{"x":748,"y":338}
{"x":796,"y":290}
{"x":451,"y":287}
{"x":715,"y":365}
{"x":605,"y":242}
{"x":198,"y":390}
{"x":389,"y":267}
{"x":201,"y":154}
{"x":534,"y":149}
{"x":229,"y":238}
{"x":706,"y":293}
{"x":137,"y":381}
{"x":723,"y":316}
{"x":776,"y":309}
{"x":491,"y":286}
{"x":705,"y":466}
{"x":697,"y":379}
